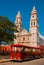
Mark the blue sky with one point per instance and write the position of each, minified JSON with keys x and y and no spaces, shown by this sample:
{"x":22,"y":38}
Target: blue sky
{"x":10,"y":8}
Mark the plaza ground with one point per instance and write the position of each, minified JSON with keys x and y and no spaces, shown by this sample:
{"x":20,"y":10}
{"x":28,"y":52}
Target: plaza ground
{"x":31,"y":62}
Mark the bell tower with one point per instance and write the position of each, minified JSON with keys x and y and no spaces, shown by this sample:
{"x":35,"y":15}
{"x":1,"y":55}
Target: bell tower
{"x":18,"y":21}
{"x":34,"y":27}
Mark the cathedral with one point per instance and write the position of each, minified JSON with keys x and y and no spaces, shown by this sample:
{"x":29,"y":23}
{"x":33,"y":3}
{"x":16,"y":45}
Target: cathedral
{"x":31,"y":38}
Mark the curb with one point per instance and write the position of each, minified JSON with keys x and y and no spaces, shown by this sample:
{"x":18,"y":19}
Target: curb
{"x":5,"y":60}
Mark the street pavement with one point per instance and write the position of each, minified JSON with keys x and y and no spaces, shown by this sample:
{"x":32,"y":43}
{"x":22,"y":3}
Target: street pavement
{"x":4,"y":57}
{"x":31,"y":62}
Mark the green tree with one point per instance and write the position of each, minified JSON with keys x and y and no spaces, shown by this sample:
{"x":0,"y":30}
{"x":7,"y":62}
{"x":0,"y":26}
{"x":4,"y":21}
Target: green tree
{"x":7,"y":29}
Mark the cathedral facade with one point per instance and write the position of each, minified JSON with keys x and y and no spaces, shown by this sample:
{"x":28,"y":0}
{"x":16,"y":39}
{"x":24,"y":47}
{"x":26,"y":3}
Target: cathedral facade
{"x":32,"y":38}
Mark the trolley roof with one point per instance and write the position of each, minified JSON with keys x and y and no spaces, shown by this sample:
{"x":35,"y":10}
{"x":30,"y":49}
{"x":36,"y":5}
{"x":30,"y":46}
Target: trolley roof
{"x":20,"y":45}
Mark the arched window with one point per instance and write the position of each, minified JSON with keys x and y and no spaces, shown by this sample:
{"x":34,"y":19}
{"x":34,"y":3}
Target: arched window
{"x":23,"y":38}
{"x":34,"y":23}
{"x":31,"y":23}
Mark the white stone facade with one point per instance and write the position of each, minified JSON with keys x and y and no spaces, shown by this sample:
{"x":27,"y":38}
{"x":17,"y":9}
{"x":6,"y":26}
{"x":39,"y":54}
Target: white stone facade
{"x":32,"y":38}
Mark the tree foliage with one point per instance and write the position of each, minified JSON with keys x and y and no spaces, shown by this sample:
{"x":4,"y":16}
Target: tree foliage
{"x":7,"y":29}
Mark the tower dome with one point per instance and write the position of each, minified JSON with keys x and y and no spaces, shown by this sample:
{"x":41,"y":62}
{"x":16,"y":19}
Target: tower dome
{"x":18,"y":15}
{"x":34,"y":10}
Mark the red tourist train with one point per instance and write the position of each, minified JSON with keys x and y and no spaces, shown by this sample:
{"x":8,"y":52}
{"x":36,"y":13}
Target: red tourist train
{"x":20,"y":52}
